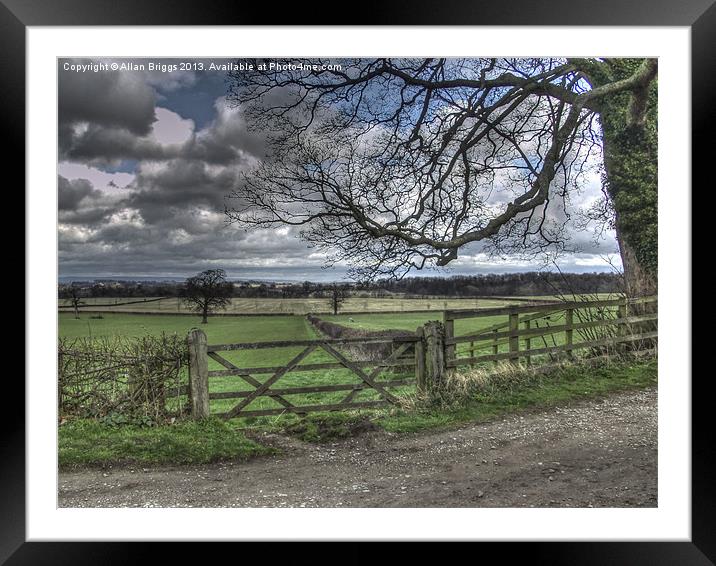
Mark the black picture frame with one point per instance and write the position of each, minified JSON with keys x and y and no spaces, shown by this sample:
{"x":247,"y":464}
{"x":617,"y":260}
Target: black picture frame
{"x":699,"y":15}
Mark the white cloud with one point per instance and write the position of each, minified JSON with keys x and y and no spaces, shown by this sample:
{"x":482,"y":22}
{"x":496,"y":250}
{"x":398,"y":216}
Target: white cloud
{"x":170,"y":128}
{"x":100,"y":179}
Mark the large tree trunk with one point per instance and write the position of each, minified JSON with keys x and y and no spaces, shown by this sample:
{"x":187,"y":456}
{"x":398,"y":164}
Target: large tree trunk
{"x":631,"y":186}
{"x":638,"y":280}
{"x":630,"y":162}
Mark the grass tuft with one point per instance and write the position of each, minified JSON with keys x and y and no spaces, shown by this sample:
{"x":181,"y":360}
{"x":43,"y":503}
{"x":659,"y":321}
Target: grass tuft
{"x":91,"y":443}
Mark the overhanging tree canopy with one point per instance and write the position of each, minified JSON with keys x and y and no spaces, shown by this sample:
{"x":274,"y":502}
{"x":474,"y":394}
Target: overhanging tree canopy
{"x":398,"y":164}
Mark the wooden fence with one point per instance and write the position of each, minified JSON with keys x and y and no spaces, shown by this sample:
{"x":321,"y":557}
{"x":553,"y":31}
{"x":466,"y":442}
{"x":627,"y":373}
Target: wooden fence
{"x":588,"y":327}
{"x":599,"y":325}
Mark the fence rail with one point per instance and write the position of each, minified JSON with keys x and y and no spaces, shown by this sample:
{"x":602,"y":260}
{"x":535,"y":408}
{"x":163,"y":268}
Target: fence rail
{"x":292,"y":343}
{"x":547,"y":330}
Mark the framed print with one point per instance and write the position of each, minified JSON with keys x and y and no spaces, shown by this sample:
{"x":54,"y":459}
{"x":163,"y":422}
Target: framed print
{"x":230,"y":227}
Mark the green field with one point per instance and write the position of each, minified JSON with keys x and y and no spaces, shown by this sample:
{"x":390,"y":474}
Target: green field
{"x":223,"y":330}
{"x":219,"y":330}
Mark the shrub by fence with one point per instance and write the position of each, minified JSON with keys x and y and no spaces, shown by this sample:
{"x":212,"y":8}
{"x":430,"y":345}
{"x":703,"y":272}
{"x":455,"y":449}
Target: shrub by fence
{"x":139,"y":377}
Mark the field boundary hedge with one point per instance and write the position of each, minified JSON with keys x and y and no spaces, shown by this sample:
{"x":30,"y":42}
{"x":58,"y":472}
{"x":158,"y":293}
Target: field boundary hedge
{"x":370,"y":351}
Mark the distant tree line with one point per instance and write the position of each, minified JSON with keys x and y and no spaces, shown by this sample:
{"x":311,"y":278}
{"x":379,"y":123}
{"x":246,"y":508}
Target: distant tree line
{"x":120,"y":289}
{"x":507,"y":284}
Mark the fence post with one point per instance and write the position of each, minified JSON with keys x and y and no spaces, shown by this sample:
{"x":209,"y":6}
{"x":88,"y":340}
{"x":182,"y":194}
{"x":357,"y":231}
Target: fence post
{"x":622,"y":312}
{"x":495,"y":347}
{"x":420,"y":382}
{"x":569,"y":332}
{"x":514,"y":339}
{"x":528,"y":343}
{"x":198,"y":374}
{"x":435,"y":361}
{"x":622,"y":328}
{"x":449,"y":324}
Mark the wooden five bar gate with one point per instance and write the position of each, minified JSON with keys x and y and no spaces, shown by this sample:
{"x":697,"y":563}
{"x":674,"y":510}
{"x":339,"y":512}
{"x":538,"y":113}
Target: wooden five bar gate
{"x":200,"y":353}
{"x":423,"y":358}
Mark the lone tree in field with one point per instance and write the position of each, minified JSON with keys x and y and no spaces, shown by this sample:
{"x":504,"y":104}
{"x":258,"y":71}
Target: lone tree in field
{"x":338,"y":295}
{"x":207,"y":292}
{"x":398,"y":164}
{"x":75,"y":299}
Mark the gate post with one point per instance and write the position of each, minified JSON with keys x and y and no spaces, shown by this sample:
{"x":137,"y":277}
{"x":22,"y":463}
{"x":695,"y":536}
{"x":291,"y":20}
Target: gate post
{"x":435,"y":362}
{"x":449,"y":332}
{"x":198,"y":374}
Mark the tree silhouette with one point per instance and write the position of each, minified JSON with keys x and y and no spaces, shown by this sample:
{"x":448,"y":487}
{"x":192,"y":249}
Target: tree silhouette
{"x":337,"y":294}
{"x":207,"y":292}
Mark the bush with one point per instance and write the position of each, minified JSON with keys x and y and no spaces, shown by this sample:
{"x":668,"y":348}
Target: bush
{"x":133,"y":377}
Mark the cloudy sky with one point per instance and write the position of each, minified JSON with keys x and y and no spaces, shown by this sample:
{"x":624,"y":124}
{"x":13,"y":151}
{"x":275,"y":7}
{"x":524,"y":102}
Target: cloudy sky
{"x":146,"y":159}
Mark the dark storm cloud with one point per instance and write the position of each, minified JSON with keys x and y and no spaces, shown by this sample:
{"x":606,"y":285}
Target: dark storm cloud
{"x":80,"y":204}
{"x":228,"y":137}
{"x":181,"y":185}
{"x":225,"y":141}
{"x":71,"y":193}
{"x":109,"y":144}
{"x":165,"y":249}
{"x":169,"y":217}
{"x":107,"y":98}
{"x":85,"y":217}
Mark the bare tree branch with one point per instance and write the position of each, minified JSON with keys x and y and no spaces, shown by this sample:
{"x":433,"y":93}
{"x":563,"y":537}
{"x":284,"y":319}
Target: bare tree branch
{"x":396,"y":164}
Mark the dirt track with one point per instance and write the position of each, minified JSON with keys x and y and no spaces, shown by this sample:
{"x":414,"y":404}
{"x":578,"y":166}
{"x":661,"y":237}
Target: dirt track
{"x":599,"y":453}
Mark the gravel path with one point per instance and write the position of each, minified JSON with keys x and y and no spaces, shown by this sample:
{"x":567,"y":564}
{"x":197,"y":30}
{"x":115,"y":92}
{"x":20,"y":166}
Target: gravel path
{"x":597,"y":453}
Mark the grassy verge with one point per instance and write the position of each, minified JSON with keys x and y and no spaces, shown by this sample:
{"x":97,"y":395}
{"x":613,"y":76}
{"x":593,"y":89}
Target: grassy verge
{"x":485,"y":400}
{"x":87,"y":443}
{"x":475,"y":398}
